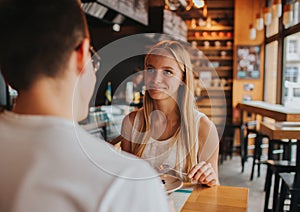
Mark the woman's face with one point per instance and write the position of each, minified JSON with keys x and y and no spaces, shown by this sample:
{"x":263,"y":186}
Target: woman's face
{"x":162,"y":77}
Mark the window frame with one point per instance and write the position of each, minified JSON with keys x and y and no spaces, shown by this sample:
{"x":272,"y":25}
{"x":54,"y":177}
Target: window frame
{"x":280,"y":36}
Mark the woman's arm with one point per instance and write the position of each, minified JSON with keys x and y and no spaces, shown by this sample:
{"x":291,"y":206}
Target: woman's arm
{"x":126,"y":131}
{"x":206,"y":171}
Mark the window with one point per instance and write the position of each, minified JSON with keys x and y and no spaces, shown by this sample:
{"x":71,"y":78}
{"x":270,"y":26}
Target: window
{"x":271,"y":72}
{"x":282,"y":57}
{"x":291,"y":74}
{"x":292,"y":47}
{"x":291,"y":70}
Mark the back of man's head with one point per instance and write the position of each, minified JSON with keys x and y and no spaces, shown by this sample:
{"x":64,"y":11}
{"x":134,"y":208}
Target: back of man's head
{"x":37,"y":38}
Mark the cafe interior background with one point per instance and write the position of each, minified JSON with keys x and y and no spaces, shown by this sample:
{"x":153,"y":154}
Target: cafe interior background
{"x":251,"y":50}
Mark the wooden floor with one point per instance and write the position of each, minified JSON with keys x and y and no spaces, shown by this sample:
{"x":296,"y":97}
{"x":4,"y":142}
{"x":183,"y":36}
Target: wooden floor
{"x":230,"y":175}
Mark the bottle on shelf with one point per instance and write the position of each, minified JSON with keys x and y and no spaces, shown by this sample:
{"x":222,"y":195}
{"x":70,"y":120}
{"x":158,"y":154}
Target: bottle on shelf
{"x":108,"y":97}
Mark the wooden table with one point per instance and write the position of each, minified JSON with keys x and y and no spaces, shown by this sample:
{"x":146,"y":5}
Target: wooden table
{"x":281,"y":130}
{"x":217,"y":198}
{"x":278,"y":131}
{"x":274,"y":111}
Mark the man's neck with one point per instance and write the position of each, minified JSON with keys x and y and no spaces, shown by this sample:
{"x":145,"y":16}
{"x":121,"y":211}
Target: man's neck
{"x":44,"y":99}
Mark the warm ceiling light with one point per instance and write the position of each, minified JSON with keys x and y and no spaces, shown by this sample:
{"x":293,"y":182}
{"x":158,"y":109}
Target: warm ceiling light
{"x":199,"y":3}
{"x":252,"y":32}
{"x":259,"y":22}
{"x":288,"y":15}
{"x":267,"y":16}
{"x":277,"y":8}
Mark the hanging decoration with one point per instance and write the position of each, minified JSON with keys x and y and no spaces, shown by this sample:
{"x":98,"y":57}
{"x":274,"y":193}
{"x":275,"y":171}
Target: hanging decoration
{"x":252,"y":30}
{"x":288,"y":15}
{"x":259,"y":20}
{"x":252,"y":35}
{"x":267,"y":16}
{"x":277,"y":8}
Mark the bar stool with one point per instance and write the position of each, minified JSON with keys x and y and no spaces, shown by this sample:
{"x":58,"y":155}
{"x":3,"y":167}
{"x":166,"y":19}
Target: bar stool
{"x":259,"y":146}
{"x":291,"y":184}
{"x":275,"y":167}
{"x":226,"y":144}
{"x":251,"y":132}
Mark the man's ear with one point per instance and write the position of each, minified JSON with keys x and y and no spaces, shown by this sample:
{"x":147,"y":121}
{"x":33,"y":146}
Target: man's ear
{"x":83,"y":55}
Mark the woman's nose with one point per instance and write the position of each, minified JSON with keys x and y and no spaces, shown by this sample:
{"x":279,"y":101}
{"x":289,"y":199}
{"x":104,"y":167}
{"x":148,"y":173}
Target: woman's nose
{"x":157,"y":77}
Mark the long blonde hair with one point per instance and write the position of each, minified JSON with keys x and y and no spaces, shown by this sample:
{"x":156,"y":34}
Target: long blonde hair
{"x":187,"y":130}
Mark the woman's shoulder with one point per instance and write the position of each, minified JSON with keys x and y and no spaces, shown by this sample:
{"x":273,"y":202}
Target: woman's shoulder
{"x":199,"y":114}
{"x":204,"y":123}
{"x":132,"y":115}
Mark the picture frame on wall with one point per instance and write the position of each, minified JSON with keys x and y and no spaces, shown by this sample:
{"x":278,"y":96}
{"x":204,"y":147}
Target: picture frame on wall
{"x":248,"y":62}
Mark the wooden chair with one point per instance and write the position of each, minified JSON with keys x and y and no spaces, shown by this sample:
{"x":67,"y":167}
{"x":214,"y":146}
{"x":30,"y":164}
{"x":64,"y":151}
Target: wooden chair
{"x":275,"y":167}
{"x":248,"y":131}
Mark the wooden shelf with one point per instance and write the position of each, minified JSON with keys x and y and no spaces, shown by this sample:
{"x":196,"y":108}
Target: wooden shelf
{"x":212,"y":28}
{"x":211,"y":100}
{"x":209,"y":38}
{"x":220,"y":68}
{"x":227,"y":88}
{"x":222,"y":58}
{"x":213,"y":48}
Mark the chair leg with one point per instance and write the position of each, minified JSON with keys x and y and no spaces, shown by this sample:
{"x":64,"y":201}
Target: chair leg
{"x":256,"y":155}
{"x":295,"y":201}
{"x":259,"y":154}
{"x":283,"y":193}
{"x":243,"y":147}
{"x":268,"y":178}
{"x":253,"y":167}
{"x":268,"y":188}
{"x":275,"y":194}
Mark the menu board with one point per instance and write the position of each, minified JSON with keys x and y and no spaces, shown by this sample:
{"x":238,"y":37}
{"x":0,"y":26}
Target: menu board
{"x":134,"y":9}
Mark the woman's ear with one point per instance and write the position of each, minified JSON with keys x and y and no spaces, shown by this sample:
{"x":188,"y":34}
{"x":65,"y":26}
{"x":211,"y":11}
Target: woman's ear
{"x":83,"y":55}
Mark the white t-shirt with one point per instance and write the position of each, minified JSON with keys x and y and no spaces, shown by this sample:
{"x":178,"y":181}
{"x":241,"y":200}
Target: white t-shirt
{"x":51,"y":164}
{"x":159,"y":153}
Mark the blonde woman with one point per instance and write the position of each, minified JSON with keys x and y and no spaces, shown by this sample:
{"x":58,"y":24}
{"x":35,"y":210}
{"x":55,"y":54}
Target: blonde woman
{"x":168,"y":131}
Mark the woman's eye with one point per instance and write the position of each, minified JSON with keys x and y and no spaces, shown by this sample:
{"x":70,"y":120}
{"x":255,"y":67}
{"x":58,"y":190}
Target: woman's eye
{"x":168,"y":72}
{"x":150,"y":70}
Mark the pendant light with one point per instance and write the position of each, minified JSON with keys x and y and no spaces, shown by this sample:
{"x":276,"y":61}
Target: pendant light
{"x":277,"y":8}
{"x":199,"y":3}
{"x":288,"y":15}
{"x":267,"y":16}
{"x":259,"y":20}
{"x":252,"y":30}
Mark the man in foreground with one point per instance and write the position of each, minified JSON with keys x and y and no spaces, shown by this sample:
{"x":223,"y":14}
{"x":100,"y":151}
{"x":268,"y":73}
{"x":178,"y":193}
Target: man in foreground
{"x":48,"y":163}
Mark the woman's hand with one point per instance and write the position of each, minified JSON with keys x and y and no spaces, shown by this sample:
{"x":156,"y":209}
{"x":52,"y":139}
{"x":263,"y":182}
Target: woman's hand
{"x":203,"y":173}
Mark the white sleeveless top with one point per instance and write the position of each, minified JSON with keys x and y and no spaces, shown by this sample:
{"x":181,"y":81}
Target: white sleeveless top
{"x":158,"y":152}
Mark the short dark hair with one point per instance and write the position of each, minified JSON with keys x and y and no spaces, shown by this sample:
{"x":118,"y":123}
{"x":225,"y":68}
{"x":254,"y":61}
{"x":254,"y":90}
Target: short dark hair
{"x":37,"y":38}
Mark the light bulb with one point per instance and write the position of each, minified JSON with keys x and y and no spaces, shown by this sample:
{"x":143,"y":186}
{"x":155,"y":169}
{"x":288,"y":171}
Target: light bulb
{"x":259,"y":22}
{"x":277,"y":8}
{"x":288,"y":15}
{"x":252,"y":32}
{"x":116,"y":27}
{"x":199,"y":3}
{"x":267,"y":16}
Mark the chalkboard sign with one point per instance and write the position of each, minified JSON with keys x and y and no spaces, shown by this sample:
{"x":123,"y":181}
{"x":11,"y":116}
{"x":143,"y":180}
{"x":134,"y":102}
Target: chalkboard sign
{"x":134,"y":9}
